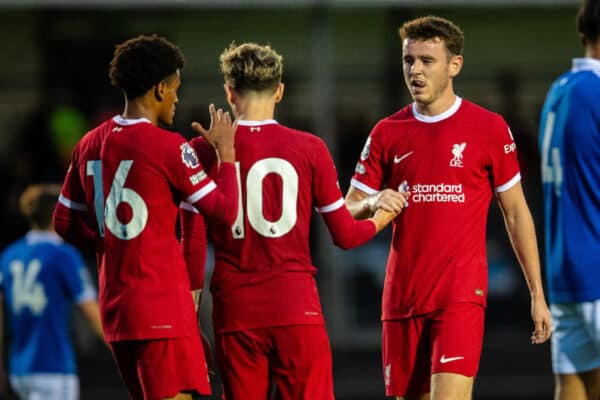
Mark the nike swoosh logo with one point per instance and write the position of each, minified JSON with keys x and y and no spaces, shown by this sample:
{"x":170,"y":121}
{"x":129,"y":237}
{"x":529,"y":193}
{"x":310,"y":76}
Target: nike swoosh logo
{"x":398,"y":159}
{"x":445,"y":360}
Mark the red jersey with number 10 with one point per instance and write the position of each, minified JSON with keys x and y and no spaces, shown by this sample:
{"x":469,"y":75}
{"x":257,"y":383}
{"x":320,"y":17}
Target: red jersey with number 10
{"x":131,"y":175}
{"x":263,"y":274}
{"x":452,"y":163}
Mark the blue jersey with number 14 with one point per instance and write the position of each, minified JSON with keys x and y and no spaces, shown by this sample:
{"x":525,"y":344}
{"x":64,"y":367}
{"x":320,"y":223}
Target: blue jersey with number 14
{"x":570,"y":151}
{"x":41,"y":278}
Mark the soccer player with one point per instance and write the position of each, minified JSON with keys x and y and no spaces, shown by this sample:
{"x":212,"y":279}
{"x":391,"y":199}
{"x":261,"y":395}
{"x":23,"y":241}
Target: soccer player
{"x":454,"y":155}
{"x":129,"y":175}
{"x":569,"y":146}
{"x":40,"y":278}
{"x":269,"y":327}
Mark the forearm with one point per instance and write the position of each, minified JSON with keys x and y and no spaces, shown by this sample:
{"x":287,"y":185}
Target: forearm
{"x":359,"y":204}
{"x":92,"y":314}
{"x":193,"y":246}
{"x":222,"y":203}
{"x":347,"y":232}
{"x":521,"y":231}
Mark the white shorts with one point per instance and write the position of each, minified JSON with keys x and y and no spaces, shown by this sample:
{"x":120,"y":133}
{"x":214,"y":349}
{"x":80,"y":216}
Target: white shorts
{"x":46,"y":386}
{"x":576,"y":337}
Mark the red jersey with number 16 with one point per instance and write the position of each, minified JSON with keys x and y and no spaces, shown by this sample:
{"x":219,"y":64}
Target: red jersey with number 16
{"x":452,"y":163}
{"x":131,"y":176}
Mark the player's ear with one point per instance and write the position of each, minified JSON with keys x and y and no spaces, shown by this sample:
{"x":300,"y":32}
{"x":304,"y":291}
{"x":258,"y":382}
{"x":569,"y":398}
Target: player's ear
{"x":159,"y":90}
{"x":279,"y":92}
{"x":455,"y":65}
{"x":229,"y":93}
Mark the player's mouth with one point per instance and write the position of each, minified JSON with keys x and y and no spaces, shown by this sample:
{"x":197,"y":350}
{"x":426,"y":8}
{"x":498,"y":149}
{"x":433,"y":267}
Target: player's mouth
{"x":417,"y":84}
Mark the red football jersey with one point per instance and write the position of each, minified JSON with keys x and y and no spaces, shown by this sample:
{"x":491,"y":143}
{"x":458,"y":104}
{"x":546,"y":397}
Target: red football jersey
{"x":131,"y":175}
{"x":452,"y":163}
{"x":263,"y":270}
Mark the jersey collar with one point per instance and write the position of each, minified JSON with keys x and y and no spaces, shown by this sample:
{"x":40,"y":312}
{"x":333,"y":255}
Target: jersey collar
{"x":127,"y":121}
{"x":436,"y":118}
{"x":586,"y":64}
{"x":245,"y":122}
{"x":38,"y":236}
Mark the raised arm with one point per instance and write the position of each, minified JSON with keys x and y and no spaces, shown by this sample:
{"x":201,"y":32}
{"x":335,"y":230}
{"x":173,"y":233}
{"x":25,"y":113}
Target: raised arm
{"x":222,"y":201}
{"x":521,"y":231}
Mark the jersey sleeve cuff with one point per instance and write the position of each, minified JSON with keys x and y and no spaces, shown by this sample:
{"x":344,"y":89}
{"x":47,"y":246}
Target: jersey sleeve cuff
{"x":503,"y":188}
{"x":73,"y":205}
{"x":331,"y":207}
{"x":359,"y":185}
{"x":202,"y":193}
{"x":188,"y":207}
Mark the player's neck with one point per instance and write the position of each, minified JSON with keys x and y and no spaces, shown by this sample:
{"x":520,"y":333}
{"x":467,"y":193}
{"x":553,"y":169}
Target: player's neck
{"x":138,"y":108}
{"x":255,"y":110}
{"x":592,"y":50}
{"x":438,"y":106}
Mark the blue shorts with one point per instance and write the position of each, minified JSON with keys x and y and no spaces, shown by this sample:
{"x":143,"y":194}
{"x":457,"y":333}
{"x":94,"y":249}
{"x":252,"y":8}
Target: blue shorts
{"x":576,"y":337}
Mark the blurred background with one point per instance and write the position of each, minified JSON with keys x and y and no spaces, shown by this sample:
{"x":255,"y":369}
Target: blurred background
{"x":343,"y":72}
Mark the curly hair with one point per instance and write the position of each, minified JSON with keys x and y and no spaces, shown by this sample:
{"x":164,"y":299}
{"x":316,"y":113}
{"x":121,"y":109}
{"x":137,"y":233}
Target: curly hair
{"x":142,"y":62}
{"x":588,"y":21}
{"x":37,"y":204}
{"x":430,"y":27}
{"x":250,"y":66}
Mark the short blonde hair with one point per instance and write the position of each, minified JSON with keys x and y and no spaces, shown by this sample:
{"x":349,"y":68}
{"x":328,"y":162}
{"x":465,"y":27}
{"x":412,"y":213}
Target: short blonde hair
{"x":251,"y":67}
{"x":37,"y":204}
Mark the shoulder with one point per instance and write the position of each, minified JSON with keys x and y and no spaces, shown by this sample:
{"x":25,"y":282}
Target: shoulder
{"x":11,"y":249}
{"x":300,"y":136}
{"x":482,"y":116}
{"x":392,"y":121}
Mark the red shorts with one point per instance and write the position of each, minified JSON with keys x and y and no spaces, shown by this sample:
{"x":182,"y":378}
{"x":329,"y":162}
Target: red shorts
{"x":161,"y":368}
{"x":448,"y":340}
{"x":294,"y":361}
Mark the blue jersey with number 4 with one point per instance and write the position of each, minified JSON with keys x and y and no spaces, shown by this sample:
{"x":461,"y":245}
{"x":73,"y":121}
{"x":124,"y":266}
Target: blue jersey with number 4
{"x":570,"y":151}
{"x":41,"y":277}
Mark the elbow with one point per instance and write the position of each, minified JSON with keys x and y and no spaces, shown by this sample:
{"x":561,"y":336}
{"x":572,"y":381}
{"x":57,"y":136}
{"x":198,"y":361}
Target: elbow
{"x":345,"y":242}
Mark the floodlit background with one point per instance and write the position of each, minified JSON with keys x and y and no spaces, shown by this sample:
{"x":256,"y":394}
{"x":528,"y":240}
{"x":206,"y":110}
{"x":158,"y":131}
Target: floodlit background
{"x":342,"y":70}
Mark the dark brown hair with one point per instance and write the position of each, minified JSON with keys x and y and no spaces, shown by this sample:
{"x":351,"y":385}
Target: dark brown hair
{"x":431,"y":27}
{"x":588,"y":21}
{"x":142,"y":62}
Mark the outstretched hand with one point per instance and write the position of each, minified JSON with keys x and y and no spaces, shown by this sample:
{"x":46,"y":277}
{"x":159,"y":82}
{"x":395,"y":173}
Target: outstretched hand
{"x":221,"y":132}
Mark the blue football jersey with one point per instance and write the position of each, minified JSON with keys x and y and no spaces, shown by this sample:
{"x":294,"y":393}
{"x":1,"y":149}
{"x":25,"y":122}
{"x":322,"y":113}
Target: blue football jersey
{"x":41,"y":277}
{"x":570,"y":152}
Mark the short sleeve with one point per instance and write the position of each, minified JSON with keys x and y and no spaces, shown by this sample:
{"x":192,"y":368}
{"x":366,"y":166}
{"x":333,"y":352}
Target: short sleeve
{"x":503,"y":157}
{"x":326,"y":189}
{"x":368,"y":175}
{"x":72,"y":194}
{"x":76,"y":276}
{"x":185,"y":171}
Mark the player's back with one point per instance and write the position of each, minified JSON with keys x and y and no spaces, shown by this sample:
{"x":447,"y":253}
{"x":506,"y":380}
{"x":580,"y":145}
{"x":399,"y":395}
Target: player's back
{"x":277,"y":169}
{"x":263,"y":269}
{"x":38,"y":291}
{"x":570,"y":152}
{"x":144,"y":287}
